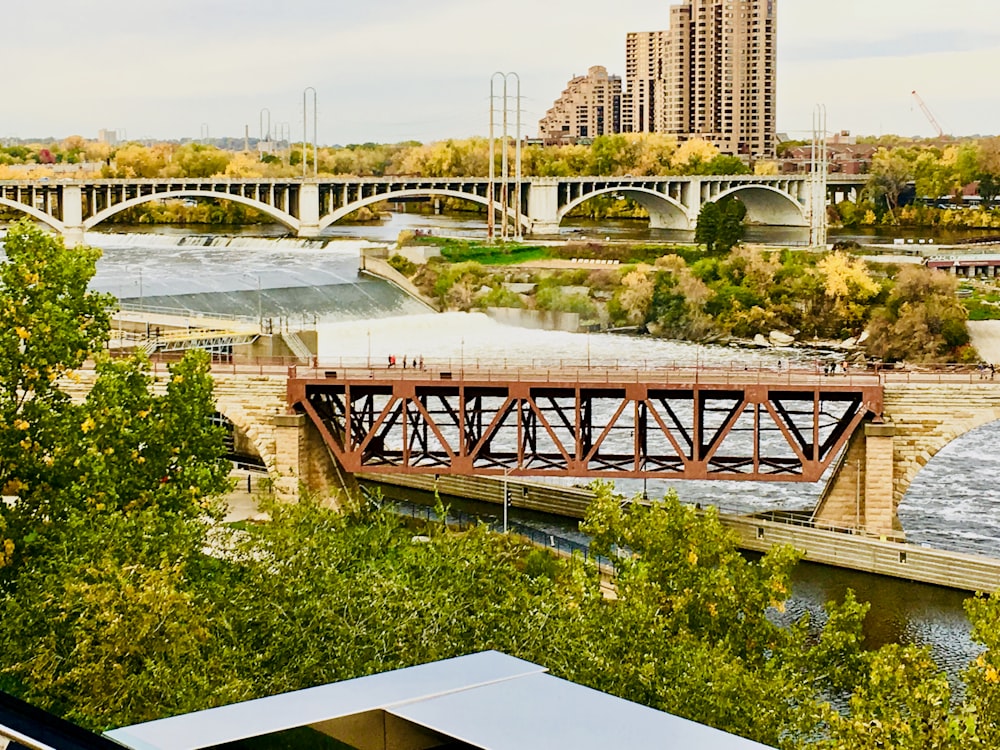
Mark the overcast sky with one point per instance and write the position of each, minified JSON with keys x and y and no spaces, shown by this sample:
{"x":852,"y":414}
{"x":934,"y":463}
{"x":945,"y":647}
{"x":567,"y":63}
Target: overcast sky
{"x":391,"y":70}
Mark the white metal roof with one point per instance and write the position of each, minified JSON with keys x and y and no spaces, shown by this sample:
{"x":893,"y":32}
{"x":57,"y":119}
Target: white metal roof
{"x":488,"y":700}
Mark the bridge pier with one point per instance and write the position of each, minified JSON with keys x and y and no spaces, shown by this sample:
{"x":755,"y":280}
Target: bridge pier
{"x":860,"y":493}
{"x":303,"y":461}
{"x":543,"y":206}
{"x":309,"y":210}
{"x":72,"y":215}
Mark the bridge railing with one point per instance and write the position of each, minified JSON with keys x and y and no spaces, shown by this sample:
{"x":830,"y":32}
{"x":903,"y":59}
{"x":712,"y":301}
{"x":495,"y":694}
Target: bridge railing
{"x":578,"y":370}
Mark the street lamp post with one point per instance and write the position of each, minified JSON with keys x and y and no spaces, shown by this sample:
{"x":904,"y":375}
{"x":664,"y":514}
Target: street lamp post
{"x":139,"y":269}
{"x":506,"y":473}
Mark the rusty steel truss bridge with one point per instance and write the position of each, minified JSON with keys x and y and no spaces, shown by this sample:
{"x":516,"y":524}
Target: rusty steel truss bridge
{"x":669,"y":424}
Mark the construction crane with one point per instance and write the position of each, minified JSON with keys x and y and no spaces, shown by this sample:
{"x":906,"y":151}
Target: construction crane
{"x":930,"y":115}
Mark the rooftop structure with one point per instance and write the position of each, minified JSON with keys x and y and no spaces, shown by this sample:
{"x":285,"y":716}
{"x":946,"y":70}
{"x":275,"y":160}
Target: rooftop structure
{"x":488,"y":701}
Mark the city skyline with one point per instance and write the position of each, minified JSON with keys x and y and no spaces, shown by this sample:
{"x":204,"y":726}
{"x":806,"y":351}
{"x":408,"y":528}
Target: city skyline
{"x":400,"y":71}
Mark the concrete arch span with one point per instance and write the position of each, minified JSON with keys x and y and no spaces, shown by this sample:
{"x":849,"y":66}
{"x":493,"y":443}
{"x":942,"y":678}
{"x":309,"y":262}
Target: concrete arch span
{"x":350,"y":208}
{"x":768,"y":206}
{"x":281,"y":217}
{"x":44,"y":218}
{"x":664,"y":211}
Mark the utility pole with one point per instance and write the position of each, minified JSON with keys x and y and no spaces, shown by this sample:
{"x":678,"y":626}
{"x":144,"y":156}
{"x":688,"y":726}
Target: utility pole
{"x":819,"y":173}
{"x":505,"y":159}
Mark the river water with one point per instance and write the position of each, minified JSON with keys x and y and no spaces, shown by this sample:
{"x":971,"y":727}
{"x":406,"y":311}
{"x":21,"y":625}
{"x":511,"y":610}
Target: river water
{"x":952,"y":504}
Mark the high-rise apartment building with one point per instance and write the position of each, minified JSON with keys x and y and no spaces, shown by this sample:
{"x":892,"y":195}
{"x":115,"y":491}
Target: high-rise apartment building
{"x":643,"y":102}
{"x":590,"y":106}
{"x":717,"y":70}
{"x":721,"y":72}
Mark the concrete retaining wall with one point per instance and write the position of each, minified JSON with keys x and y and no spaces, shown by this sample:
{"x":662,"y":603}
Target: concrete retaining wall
{"x":379,"y":268}
{"x":543,"y":320}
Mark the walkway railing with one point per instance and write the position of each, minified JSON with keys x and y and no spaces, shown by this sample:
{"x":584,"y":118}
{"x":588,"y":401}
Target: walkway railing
{"x":464,"y":520}
{"x":577,"y":370}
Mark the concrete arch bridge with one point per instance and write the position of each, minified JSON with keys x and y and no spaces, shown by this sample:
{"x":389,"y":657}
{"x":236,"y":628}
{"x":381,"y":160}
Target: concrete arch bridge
{"x":307,"y":207}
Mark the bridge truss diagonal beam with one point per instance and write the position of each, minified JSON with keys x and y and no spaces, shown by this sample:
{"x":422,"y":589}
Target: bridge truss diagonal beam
{"x":757,"y":432}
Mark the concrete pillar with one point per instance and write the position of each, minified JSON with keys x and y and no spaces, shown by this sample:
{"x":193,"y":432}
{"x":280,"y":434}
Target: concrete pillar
{"x":309,"y":210}
{"x":860,"y":493}
{"x":691,"y":199}
{"x":880,"y":507}
{"x":543,"y":206}
{"x":72,"y":215}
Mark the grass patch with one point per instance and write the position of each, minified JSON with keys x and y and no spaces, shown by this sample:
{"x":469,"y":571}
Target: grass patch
{"x":499,"y":254}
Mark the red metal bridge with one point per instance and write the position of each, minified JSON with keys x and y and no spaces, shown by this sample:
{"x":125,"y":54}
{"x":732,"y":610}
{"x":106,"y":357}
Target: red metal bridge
{"x":676,"y":423}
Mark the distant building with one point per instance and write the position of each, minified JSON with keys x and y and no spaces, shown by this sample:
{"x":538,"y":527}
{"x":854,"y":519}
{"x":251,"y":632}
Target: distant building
{"x":109,"y":137}
{"x":844,"y":154}
{"x":644,"y":99}
{"x":589,"y":107}
{"x":712,"y":76}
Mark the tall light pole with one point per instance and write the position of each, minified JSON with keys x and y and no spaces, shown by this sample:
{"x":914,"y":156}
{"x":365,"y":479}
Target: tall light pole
{"x":203,"y":135}
{"x":305,"y":132}
{"x":265,"y":135}
{"x":139,"y":269}
{"x":505,"y":158}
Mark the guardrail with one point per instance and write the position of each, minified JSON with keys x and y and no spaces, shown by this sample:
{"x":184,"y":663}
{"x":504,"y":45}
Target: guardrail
{"x":462,"y":520}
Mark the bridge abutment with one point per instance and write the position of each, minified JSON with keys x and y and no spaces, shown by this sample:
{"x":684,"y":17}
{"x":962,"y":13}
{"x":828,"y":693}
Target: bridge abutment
{"x":304,"y":463}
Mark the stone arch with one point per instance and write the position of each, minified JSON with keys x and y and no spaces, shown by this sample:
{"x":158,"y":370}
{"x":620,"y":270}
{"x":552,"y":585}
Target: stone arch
{"x":350,"y":208}
{"x":664,"y":211}
{"x":256,"y":432}
{"x":768,"y":205}
{"x":34,"y":213}
{"x":280,"y":216}
{"x":913,"y":455}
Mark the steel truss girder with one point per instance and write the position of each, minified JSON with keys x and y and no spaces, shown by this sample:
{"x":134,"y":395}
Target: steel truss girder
{"x":757,"y":432}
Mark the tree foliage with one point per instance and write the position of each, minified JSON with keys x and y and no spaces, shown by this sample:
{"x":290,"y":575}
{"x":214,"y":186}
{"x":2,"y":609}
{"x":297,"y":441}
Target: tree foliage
{"x":922,"y":320}
{"x":123,"y":449}
{"x":721,"y":225}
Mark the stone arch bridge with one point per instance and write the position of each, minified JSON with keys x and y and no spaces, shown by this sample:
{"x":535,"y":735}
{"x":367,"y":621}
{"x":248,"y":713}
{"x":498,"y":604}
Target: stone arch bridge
{"x":307,"y":207}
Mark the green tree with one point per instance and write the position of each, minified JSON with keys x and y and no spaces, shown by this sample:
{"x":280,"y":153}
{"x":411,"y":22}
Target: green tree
{"x":52,"y":323}
{"x":721,"y":225}
{"x":123,"y":449}
{"x":891,"y":170}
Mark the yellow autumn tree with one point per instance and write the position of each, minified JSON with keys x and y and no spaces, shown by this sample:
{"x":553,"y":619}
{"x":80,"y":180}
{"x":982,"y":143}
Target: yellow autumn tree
{"x":692,"y":153}
{"x":847,"y":286}
{"x":244,"y":165}
{"x":636,"y":297}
